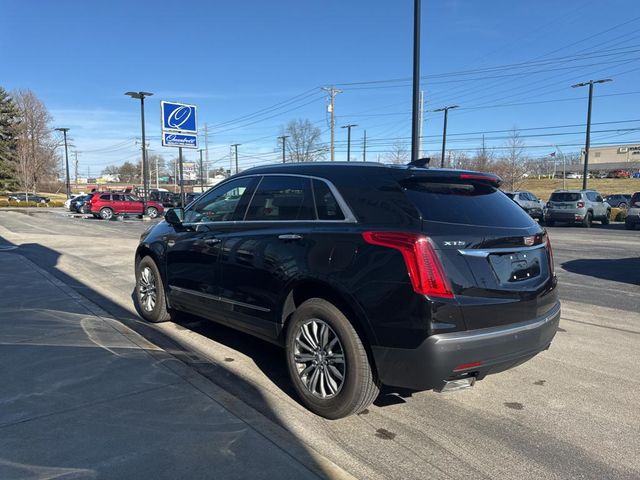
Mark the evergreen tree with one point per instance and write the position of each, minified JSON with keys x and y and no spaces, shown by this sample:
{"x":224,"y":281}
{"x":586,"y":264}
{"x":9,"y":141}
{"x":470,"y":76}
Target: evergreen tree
{"x":9,"y":120}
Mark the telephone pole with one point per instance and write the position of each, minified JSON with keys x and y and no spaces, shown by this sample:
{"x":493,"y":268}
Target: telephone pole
{"x":75,"y":167}
{"x":201,"y":171}
{"x":349,"y":127}
{"x":415,"y":145}
{"x":66,"y":158}
{"x":364,"y":147}
{"x":332,"y":91}
{"x":587,"y":143}
{"x":284,"y":144}
{"x":444,"y":130}
{"x":420,"y":149}
{"x":235,"y":146}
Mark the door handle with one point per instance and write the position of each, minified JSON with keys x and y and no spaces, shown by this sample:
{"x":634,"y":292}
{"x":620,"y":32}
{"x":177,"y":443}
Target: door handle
{"x":290,"y":236}
{"x":211,"y":241}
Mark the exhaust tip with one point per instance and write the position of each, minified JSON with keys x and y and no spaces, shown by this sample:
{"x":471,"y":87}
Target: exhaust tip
{"x":457,"y":384}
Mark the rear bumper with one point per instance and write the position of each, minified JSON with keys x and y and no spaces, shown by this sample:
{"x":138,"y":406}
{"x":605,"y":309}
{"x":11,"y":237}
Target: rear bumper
{"x":497,"y":349}
{"x":564,"y":215}
{"x":632,"y":219}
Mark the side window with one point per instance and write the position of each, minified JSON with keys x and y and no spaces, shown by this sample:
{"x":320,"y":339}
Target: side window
{"x":592,"y":196}
{"x":116,"y":197}
{"x":105,"y":197}
{"x":525,"y":196}
{"x":222,"y":204}
{"x":326,"y":204}
{"x":282,"y":198}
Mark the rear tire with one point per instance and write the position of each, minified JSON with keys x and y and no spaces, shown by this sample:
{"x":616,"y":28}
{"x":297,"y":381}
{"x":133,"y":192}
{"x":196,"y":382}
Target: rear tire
{"x":605,"y":219}
{"x":587,"y":220}
{"x":150,"y":300}
{"x":327,"y":361}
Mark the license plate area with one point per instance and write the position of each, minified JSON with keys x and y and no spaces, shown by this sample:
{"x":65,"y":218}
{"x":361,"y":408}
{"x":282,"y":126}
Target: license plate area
{"x":516,"y":267}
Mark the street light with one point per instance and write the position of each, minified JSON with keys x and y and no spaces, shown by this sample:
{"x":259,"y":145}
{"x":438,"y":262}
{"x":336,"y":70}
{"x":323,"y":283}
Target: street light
{"x":444,"y":129}
{"x":145,"y":168}
{"x":587,"y":143}
{"x":415,"y":121}
{"x":66,"y":158}
{"x":348,"y":127}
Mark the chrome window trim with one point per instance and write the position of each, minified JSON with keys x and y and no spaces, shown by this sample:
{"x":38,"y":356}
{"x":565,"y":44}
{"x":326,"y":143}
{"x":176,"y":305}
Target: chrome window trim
{"x":349,"y":217}
{"x":483,"y":253}
{"x":218,"y":298}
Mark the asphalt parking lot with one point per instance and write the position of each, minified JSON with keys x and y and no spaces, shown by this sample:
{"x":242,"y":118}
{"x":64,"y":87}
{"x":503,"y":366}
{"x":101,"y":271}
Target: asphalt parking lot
{"x":571,"y":412}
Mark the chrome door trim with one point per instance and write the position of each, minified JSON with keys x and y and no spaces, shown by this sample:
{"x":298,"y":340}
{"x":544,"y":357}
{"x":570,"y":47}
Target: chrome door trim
{"x":483,"y":253}
{"x":218,"y":298}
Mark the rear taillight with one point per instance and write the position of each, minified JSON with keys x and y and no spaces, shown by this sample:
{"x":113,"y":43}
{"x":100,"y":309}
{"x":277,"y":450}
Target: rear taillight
{"x":493,"y":180}
{"x":424,"y":267}
{"x":580,"y":204}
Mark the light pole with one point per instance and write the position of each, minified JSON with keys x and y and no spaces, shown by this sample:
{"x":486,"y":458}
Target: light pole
{"x":284,"y":144}
{"x":349,"y":127}
{"x":415,"y":121}
{"x":587,"y":142}
{"x":201,"y":170}
{"x":145,"y":168}
{"x":444,"y":130}
{"x":235,"y":146}
{"x":66,"y":159}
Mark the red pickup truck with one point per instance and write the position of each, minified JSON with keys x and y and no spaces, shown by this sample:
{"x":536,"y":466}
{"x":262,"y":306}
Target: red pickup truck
{"x":106,"y":205}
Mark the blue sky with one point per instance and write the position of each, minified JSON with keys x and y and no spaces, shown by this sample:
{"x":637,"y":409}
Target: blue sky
{"x":505,"y":63}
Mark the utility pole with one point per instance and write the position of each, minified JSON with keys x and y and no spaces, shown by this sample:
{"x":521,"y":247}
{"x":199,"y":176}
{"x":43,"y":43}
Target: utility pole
{"x":201,"y":171}
{"x":364,"y":147}
{"x":349,"y":127}
{"x":332,"y":95}
{"x":420,"y":149}
{"x":66,"y":158}
{"x":236,"y":145}
{"x":75,"y":167}
{"x":587,"y":143}
{"x":157,"y":175}
{"x":206,"y":151}
{"x":444,"y":130}
{"x":415,"y":145}
{"x":284,"y":144}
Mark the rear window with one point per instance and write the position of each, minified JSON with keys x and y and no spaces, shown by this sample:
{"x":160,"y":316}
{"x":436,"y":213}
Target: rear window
{"x":565,"y":197}
{"x":465,"y":203}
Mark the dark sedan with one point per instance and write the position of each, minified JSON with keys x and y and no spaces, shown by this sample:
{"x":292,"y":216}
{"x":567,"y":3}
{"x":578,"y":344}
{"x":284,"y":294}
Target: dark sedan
{"x":28,"y":197}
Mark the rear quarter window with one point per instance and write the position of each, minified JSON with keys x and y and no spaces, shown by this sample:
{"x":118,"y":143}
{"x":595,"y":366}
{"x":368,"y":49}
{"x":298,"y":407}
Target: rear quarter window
{"x":465,"y":203}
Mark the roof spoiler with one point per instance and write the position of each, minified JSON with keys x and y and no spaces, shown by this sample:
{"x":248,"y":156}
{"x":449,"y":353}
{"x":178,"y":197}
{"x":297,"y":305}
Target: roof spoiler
{"x":453,"y":175}
{"x":420,"y":162}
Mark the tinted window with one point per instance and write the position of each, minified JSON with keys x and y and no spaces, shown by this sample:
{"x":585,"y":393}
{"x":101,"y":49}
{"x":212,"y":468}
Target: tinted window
{"x":466,"y":203}
{"x":282,"y":198}
{"x":221,"y":203}
{"x":326,"y":204}
{"x":105,"y":197}
{"x":116,"y":197}
{"x":565,"y":197}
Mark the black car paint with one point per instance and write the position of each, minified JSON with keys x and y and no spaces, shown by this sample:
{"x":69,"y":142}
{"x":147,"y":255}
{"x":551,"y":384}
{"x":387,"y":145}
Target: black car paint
{"x":250,"y":278}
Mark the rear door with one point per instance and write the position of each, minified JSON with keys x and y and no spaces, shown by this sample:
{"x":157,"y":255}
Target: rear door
{"x":496,"y":257}
{"x":266,"y":251}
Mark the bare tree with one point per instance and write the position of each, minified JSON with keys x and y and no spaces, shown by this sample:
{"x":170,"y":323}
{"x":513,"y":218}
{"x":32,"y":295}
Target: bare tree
{"x":399,"y":153}
{"x":514,"y":165}
{"x":303,"y":144}
{"x":37,"y":161}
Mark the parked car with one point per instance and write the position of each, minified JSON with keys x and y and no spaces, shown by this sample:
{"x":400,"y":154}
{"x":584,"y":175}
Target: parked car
{"x":67,"y":202}
{"x":105,"y":205}
{"x":577,"y":206}
{"x":167,"y":199}
{"x":619,"y":174}
{"x":366,"y":274}
{"x":618,"y":200}
{"x":573,"y":175}
{"x":28,"y":197}
{"x":529,"y":203}
{"x":636,"y":175}
{"x":632,"y":220}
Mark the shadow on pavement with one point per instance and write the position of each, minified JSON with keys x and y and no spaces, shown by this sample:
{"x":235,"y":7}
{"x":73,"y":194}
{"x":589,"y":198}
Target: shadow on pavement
{"x":262,"y":352}
{"x":623,"y":270}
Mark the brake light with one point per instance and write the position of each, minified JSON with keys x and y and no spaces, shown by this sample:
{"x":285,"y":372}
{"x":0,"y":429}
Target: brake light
{"x":424,"y":267}
{"x":580,"y":204}
{"x":478,"y":177}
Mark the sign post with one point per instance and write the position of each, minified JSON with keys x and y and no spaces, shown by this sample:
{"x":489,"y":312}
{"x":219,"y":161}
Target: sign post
{"x":179,"y":129}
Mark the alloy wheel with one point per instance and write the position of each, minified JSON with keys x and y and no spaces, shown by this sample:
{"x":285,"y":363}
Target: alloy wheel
{"x":147,"y":289}
{"x":319,"y":359}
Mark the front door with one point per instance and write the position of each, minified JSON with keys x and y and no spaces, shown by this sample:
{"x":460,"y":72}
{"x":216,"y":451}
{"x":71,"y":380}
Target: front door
{"x":194,"y":247}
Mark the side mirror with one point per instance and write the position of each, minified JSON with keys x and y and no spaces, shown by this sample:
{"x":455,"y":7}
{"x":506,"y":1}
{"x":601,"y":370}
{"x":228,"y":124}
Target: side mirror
{"x":174,"y":216}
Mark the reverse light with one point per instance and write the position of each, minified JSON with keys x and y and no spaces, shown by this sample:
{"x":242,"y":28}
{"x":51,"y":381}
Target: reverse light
{"x":424,"y":267}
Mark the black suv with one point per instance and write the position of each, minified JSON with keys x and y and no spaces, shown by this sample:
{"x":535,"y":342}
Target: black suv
{"x":367,"y":274}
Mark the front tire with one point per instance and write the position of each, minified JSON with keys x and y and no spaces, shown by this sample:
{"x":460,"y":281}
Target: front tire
{"x":152,"y":212}
{"x":327,"y":361}
{"x":149,"y":296}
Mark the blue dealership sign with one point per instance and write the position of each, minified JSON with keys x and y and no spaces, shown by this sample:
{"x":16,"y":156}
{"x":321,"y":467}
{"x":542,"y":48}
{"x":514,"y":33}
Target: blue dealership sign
{"x":178,"y":117}
{"x":185,"y":140}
